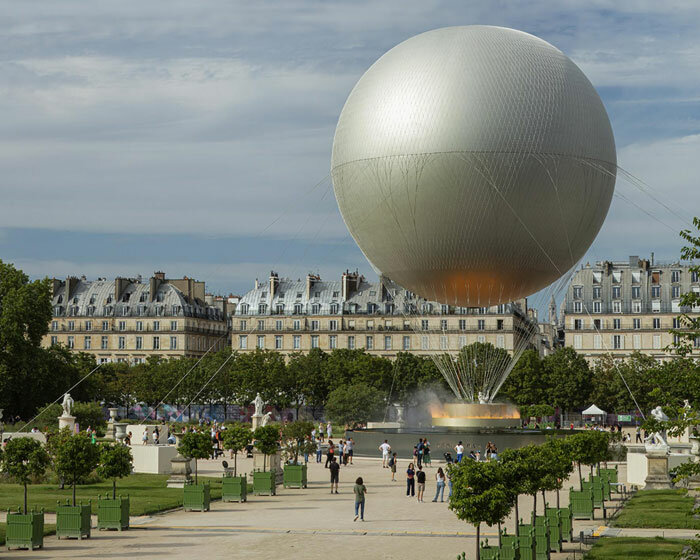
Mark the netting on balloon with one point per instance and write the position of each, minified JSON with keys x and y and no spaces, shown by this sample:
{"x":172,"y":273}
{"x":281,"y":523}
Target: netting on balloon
{"x":502,"y":233}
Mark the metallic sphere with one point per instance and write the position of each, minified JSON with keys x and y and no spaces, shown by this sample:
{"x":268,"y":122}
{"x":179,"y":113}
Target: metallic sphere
{"x":474,"y":165}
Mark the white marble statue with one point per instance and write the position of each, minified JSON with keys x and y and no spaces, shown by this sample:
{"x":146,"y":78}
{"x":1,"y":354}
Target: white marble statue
{"x":67,"y":404}
{"x":259,"y":403}
{"x":483,"y":399}
{"x":657,"y":441}
{"x":266,"y":418}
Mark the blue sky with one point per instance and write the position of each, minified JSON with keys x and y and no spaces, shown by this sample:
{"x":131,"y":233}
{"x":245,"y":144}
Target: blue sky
{"x":195,"y":137}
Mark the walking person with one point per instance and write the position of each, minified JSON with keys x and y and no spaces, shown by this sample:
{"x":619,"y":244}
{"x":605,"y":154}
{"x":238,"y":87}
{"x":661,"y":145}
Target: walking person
{"x":410,"y":480}
{"x":360,"y":491}
{"x":341,"y":451}
{"x":638,"y":435}
{"x":440,"y":490}
{"x":419,"y":449}
{"x":385,"y":448}
{"x":329,"y":430}
{"x":320,"y":431}
{"x":459,"y":450}
{"x":420,"y":477}
{"x":330,"y":454}
{"x":349,"y":449}
{"x":392,"y":466}
{"x":319,"y":450}
{"x":335,"y":474}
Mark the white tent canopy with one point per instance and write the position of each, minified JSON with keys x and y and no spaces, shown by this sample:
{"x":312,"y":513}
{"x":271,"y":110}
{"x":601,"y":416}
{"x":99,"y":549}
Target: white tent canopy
{"x":593,"y":410}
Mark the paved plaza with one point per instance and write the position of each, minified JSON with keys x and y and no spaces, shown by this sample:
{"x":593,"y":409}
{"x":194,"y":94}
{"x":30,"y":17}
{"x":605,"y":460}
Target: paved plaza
{"x":309,"y":523}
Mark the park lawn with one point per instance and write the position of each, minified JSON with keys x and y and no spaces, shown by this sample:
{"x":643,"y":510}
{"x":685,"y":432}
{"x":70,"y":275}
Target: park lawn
{"x":147,"y":493}
{"x":627,"y":548}
{"x":663,"y":509}
{"x":48,"y":530}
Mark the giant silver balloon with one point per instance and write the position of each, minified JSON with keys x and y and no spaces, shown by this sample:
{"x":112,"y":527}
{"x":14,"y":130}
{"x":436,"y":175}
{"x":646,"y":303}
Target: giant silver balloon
{"x":473,"y":165}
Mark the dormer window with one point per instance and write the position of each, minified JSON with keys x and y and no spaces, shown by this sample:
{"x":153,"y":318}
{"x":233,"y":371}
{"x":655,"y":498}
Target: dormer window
{"x":109,"y":298}
{"x":263,"y":295}
{"x":316,"y":308}
{"x":317,"y":294}
{"x":262,"y":309}
{"x":144,"y":297}
{"x":60,"y":299}
{"x":336,"y":294}
{"x":244,"y":309}
{"x":298,"y":295}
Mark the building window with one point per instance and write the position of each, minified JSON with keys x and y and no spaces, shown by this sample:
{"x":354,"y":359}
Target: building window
{"x":156,"y":343}
{"x":334,"y":309}
{"x":122,"y":342}
{"x":244,"y":309}
{"x":54,"y":325}
{"x":656,"y":342}
{"x":616,"y":292}
{"x":637,"y":342}
{"x":122,"y":325}
{"x":675,"y":292}
{"x":406,"y":344}
{"x":676,"y":306}
{"x":71,"y":342}
{"x":636,"y":324}
{"x":298,"y":308}
{"x":481,"y":338}
{"x":243,"y":342}
{"x":387,"y":343}
{"x":279,"y":308}
{"x":500,"y":341}
{"x":54,"y":340}
{"x":333,"y":342}
{"x":462,"y":324}
{"x":656,"y":323}
{"x":424,"y":324}
{"x":156,"y":325}
{"x":636,"y":291}
{"x":597,"y":276}
{"x":104,"y":344}
{"x":71,"y":325}
{"x":443,"y":324}
{"x":244,"y":325}
{"x":675,"y":276}
{"x":316,"y":308}
{"x":596,"y":292}
{"x":314,"y":325}
{"x":333,"y":325}
{"x":443,"y":342}
{"x":139,"y":342}
{"x":655,"y":306}
{"x":88,"y":325}
{"x":296,"y":342}
{"x":578,"y":324}
{"x":578,"y":292}
{"x":261,"y":342}
{"x":577,"y":307}
{"x":369,"y":343}
{"x":597,"y":342}
{"x":578,"y":342}
{"x":617,"y":307}
{"x":424,"y":343}
{"x":105,"y":325}
{"x":296,"y":325}
{"x":462,"y":341}
{"x":617,"y":342}
{"x":656,"y":291}
{"x":676,"y":323}
{"x":481,"y":324}
{"x":596,"y":307}
{"x":278,"y":342}
{"x":616,"y":276}
{"x":596,"y":324}
{"x":173,"y":325}
{"x":694,"y":275}
{"x":636,"y":307}
{"x":139,"y":325}
{"x":351,"y":343}
{"x":261,"y":325}
{"x":616,"y":324}
{"x":314,"y":341}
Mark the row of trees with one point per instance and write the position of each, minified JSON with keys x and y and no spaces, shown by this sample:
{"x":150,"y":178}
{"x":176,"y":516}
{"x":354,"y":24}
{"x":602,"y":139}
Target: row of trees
{"x":488,"y":492}
{"x":565,"y":380}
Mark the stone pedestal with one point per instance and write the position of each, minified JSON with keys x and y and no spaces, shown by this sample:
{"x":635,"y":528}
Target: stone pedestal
{"x":657,"y":472}
{"x":109,"y":432}
{"x":269,"y":463}
{"x":66,"y":422}
{"x":180,"y":470}
{"x":257,"y":421}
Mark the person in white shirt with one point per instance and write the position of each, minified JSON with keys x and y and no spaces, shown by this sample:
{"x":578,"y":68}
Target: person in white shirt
{"x":459,"y":449}
{"x":385,"y":448}
{"x":329,"y":430}
{"x":348,"y":449}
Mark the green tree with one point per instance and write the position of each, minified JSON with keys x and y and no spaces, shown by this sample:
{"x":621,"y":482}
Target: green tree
{"x":195,"y":445}
{"x":349,"y":405}
{"x":296,"y":436}
{"x":480,"y":495}
{"x":526,"y":383}
{"x":684,"y":337}
{"x":559,"y":464}
{"x":589,"y":448}
{"x":609,"y":390}
{"x":307,"y":382}
{"x":23,"y":459}
{"x":267,"y":440}
{"x":115,"y":462}
{"x":568,"y":379}
{"x":76,"y":457}
{"x":236,"y":437}
{"x":89,"y":414}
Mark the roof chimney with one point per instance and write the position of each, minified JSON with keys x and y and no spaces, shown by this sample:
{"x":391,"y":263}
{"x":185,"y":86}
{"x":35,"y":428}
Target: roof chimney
{"x":274,"y":284}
